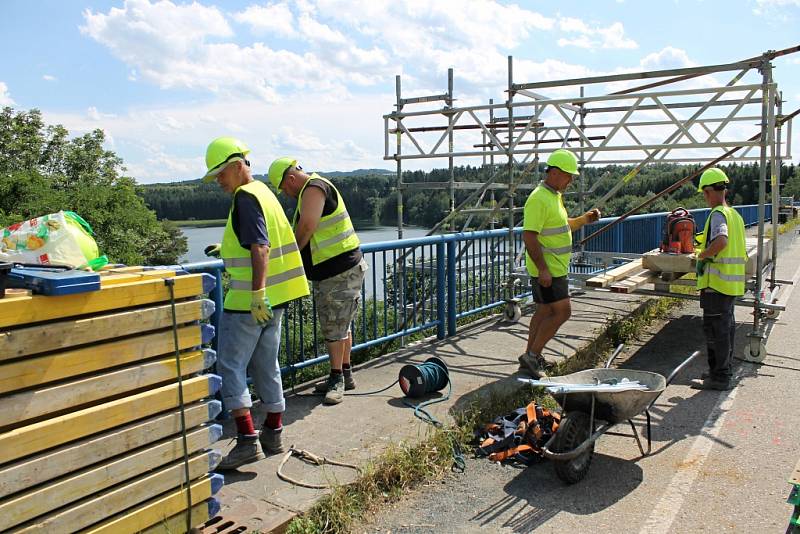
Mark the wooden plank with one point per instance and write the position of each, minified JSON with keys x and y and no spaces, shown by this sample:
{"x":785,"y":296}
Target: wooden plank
{"x":45,"y":499}
{"x":54,"y":463}
{"x":64,"y":334}
{"x":37,"y":437}
{"x":31,"y":404}
{"x":631,"y":284}
{"x":201,"y":513}
{"x":618,"y":273}
{"x":19,"y":311}
{"x":97,"y":508}
{"x":31,"y":372}
{"x":155,"y":511}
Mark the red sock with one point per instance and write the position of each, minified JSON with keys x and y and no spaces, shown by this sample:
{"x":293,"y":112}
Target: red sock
{"x":244,"y":425}
{"x":274,"y":420}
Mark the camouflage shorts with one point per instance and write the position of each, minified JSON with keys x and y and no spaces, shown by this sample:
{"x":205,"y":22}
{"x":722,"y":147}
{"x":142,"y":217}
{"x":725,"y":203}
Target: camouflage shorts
{"x":337,"y":301}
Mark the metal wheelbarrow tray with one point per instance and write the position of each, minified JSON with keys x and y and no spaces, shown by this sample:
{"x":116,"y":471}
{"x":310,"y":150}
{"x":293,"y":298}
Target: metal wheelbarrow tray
{"x":572,"y":445}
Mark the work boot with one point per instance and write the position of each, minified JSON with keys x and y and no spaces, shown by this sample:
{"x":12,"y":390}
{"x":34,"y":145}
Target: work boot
{"x":713,"y":384}
{"x":349,"y":382}
{"x":534,"y":364}
{"x":270,"y":439}
{"x":335,"y":391}
{"x":245,"y":451}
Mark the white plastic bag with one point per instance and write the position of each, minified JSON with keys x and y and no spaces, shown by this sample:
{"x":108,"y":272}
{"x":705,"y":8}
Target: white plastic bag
{"x":61,"y":238}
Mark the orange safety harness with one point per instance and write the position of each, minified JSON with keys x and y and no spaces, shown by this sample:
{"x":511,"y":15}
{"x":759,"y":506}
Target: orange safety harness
{"x":519,"y":436}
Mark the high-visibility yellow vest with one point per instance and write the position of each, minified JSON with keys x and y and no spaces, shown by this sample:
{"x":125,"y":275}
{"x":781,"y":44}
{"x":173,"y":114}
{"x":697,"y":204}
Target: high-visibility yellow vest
{"x":286,"y":279}
{"x":726,"y":271}
{"x":334,"y":234}
{"x":555,"y":237}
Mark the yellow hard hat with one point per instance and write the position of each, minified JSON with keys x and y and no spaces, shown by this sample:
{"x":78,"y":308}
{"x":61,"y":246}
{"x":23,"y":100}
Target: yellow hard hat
{"x":564,"y":160}
{"x":711,"y":177}
{"x":278,"y":168}
{"x":221,"y":151}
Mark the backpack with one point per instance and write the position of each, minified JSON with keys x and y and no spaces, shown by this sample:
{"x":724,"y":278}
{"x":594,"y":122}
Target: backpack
{"x":679,"y":232}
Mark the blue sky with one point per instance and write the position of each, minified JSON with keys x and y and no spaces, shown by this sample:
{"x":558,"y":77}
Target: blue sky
{"x":313,"y":78}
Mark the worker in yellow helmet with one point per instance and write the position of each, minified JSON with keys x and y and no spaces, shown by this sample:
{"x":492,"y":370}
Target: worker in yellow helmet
{"x":333,"y":261}
{"x":547,"y":234}
{"x":266,"y":273}
{"x":721,"y":265}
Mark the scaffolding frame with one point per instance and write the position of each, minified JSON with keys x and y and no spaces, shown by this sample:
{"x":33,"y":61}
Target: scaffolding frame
{"x":637,"y":126}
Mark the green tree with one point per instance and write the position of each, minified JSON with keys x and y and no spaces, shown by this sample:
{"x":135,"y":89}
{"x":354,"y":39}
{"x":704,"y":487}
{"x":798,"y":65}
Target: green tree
{"x":42,"y":171}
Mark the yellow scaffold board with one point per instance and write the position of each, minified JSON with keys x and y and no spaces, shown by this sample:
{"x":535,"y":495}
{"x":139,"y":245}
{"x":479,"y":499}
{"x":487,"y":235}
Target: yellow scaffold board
{"x":42,"y":500}
{"x":153,"y":515}
{"x":34,"y":403}
{"x":97,"y":508}
{"x":36,"y":308}
{"x":55,"y":463}
{"x":43,"y":435}
{"x":171,"y":525}
{"x":32,"y":372}
{"x":618,"y":273}
{"x":64,"y":334}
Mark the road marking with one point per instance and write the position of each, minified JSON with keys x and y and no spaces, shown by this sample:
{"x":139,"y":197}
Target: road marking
{"x":680,"y":486}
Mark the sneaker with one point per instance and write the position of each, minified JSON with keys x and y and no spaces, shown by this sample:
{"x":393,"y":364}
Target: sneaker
{"x":245,"y":451}
{"x":335,"y":392}
{"x":716,"y":385}
{"x":349,"y":383}
{"x":270,"y":439}
{"x":534,"y":364}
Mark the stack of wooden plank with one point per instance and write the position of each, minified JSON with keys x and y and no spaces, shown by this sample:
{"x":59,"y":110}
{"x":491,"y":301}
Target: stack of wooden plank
{"x":93,"y":437}
{"x":624,"y":279}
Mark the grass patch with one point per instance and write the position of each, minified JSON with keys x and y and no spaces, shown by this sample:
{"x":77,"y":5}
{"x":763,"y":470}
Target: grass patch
{"x":407,"y":466}
{"x":782,"y":228}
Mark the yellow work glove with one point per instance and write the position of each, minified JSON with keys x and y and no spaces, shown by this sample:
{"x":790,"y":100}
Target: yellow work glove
{"x":212,"y":251}
{"x":259,"y":306}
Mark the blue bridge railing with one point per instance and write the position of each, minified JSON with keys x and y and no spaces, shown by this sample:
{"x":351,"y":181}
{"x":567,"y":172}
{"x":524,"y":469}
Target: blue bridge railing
{"x":424,"y":286}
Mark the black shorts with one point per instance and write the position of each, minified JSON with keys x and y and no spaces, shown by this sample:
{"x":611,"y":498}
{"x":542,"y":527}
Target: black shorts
{"x":558,"y":290}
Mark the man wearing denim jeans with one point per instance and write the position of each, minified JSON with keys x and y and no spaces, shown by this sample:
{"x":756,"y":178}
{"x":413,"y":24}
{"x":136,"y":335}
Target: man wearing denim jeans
{"x":266,"y":273}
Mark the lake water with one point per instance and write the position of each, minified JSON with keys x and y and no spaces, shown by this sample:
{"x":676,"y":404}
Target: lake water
{"x":199,"y":238}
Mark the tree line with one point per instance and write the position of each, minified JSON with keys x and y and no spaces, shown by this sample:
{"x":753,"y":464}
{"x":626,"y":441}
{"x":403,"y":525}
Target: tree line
{"x":372,"y":198}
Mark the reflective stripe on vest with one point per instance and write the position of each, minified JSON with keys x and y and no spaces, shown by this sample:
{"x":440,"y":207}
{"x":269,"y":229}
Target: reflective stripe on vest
{"x":334,"y":234}
{"x":286,"y":278}
{"x":555,"y":238}
{"x":726,"y":272}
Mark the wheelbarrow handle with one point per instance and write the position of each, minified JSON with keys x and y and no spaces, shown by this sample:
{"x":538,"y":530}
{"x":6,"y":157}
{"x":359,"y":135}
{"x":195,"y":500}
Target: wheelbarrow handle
{"x":614,"y":356}
{"x":680,"y":368}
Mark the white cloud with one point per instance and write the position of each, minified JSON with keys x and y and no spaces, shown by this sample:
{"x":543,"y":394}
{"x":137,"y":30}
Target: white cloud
{"x":49,"y":78}
{"x":611,"y":37}
{"x":95,"y":115}
{"x":780,"y":8}
{"x":274,"y":19}
{"x":5,"y":96}
{"x":667,"y":58}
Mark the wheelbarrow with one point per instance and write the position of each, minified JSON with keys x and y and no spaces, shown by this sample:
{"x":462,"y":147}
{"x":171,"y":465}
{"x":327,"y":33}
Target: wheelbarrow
{"x":572,"y":445}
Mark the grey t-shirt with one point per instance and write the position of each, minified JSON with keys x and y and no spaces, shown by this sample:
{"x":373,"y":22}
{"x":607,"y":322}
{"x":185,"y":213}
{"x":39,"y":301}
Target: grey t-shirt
{"x":717,"y":227}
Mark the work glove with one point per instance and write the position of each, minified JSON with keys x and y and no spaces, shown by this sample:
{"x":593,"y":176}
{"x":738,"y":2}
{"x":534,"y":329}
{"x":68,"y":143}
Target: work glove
{"x":212,"y":251}
{"x":259,"y":306}
{"x":700,"y":266}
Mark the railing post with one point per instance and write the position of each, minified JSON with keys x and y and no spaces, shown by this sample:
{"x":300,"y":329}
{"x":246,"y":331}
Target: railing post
{"x":451,"y":288}
{"x":441,"y":314}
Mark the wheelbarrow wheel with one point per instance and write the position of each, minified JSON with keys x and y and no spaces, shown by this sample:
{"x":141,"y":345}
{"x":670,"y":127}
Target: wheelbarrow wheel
{"x":572,"y":432}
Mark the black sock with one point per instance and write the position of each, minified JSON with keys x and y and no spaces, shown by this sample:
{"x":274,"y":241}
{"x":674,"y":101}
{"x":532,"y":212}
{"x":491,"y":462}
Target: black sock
{"x":345,"y":367}
{"x":336,"y":372}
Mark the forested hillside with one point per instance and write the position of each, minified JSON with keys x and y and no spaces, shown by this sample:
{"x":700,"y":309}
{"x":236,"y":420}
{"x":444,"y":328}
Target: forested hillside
{"x":372,"y":198}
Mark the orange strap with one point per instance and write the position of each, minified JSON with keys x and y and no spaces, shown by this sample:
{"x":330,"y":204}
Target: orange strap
{"x":508,"y":453}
